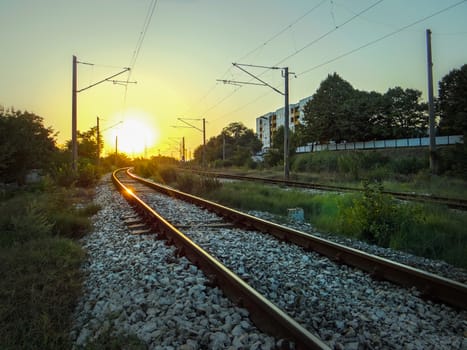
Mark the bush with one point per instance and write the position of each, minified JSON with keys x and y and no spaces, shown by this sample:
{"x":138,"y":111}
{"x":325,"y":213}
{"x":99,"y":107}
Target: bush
{"x":168,"y":174}
{"x":88,"y":175}
{"x":39,"y":288}
{"x":373,"y":216}
{"x":408,"y":165}
{"x":185,"y":183}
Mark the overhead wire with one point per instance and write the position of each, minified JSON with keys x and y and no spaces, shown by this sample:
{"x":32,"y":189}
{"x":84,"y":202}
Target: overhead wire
{"x":147,"y":21}
{"x":329,"y":32}
{"x":352,"y":51}
{"x":249,"y":53}
{"x":381,"y":38}
{"x":314,"y":41}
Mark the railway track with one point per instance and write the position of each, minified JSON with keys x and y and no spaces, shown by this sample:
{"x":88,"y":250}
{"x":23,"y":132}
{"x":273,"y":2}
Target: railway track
{"x":296,"y":303}
{"x":456,"y":203}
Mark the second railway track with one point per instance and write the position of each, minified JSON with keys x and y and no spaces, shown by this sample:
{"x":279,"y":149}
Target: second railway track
{"x":343,"y":306}
{"x":456,"y":203}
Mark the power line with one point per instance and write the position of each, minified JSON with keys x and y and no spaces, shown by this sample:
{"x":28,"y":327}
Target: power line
{"x":272,"y":38}
{"x":143,"y":32}
{"x":330,"y":31}
{"x":289,"y":26}
{"x":381,"y":38}
{"x":348,"y":53}
{"x":310,"y":43}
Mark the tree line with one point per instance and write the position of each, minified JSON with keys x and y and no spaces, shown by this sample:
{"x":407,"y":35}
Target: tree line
{"x":339,"y":112}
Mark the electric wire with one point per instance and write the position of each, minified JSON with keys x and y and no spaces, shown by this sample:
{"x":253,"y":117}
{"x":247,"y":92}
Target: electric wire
{"x":352,"y":51}
{"x":329,"y":32}
{"x":249,"y":53}
{"x":381,"y":38}
{"x":308,"y":44}
{"x":147,"y":22}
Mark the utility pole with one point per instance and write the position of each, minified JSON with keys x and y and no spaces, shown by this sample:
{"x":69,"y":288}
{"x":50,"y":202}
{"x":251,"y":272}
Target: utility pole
{"x":203,"y":131}
{"x":286,"y":123}
{"x":285,"y":74}
{"x":98,"y":143}
{"x":74,"y":105}
{"x":204,"y":143}
{"x":431,"y":107}
{"x":223,"y":146}
{"x":74,"y":121}
{"x":183,"y":149}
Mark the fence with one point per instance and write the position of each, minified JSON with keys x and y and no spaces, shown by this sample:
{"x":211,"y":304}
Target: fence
{"x":395,"y":143}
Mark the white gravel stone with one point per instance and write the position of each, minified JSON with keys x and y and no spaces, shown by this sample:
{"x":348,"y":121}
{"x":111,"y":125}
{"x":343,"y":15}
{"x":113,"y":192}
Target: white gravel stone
{"x":342,"y":305}
{"x":136,"y":285}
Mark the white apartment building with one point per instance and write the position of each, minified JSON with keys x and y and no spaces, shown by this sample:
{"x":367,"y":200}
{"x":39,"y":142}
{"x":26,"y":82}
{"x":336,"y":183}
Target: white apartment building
{"x":268,"y":123}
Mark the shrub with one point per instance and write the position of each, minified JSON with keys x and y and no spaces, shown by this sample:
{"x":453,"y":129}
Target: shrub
{"x":408,"y":165}
{"x":168,"y":174}
{"x":69,"y":224}
{"x":372,"y":216}
{"x":185,"y":182}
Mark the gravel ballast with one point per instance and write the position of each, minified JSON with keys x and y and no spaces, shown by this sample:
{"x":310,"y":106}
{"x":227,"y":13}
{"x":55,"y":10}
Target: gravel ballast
{"x":344,"y":306}
{"x":135,"y":285}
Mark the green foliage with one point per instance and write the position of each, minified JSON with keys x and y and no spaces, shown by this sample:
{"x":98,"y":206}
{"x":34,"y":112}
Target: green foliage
{"x":425,"y":230}
{"x":88,"y":174}
{"x":339,"y":112}
{"x":39,"y":288}
{"x":198,"y":185}
{"x":236,"y":141}
{"x":22,"y":221}
{"x":25,"y":144}
{"x":373,"y":216}
{"x":453,"y":161}
{"x":452,"y":102}
{"x":358,"y":165}
{"x":40,"y":267}
{"x":168,"y":174}
{"x":327,"y":108}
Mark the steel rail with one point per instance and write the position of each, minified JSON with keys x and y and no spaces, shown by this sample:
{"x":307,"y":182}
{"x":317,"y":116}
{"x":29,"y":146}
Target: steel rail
{"x":451,"y":202}
{"x":266,"y":315}
{"x":431,"y":286}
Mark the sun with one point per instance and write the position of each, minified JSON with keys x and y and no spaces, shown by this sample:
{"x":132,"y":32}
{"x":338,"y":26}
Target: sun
{"x":135,"y":137}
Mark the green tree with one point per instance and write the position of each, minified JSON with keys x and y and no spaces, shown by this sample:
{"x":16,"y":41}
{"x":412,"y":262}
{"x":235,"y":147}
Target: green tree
{"x":240,"y":144}
{"x":25,"y":144}
{"x":453,"y":102}
{"x":403,"y":115}
{"x":87,"y":144}
{"x":325,"y":114}
{"x":363,"y":109}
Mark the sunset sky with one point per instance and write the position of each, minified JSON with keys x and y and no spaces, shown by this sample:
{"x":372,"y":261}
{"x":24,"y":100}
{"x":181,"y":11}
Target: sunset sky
{"x":191,"y":43}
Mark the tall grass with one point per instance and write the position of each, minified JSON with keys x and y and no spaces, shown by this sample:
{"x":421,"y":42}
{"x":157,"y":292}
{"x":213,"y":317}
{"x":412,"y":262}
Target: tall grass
{"x":401,"y":170}
{"x":425,"y":230}
{"x":39,"y":265}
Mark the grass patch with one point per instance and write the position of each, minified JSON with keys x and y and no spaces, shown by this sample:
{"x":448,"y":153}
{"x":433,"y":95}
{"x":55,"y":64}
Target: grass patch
{"x":39,"y":265}
{"x":431,"y":231}
{"x":38,"y":290}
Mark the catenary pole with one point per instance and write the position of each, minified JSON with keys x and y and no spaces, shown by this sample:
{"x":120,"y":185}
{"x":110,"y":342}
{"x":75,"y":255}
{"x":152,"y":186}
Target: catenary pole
{"x":74,"y":140}
{"x":204,"y":143}
{"x":74,"y":105}
{"x":286,"y":123}
{"x":98,"y":143}
{"x":431,"y":108}
{"x":285,"y":73}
